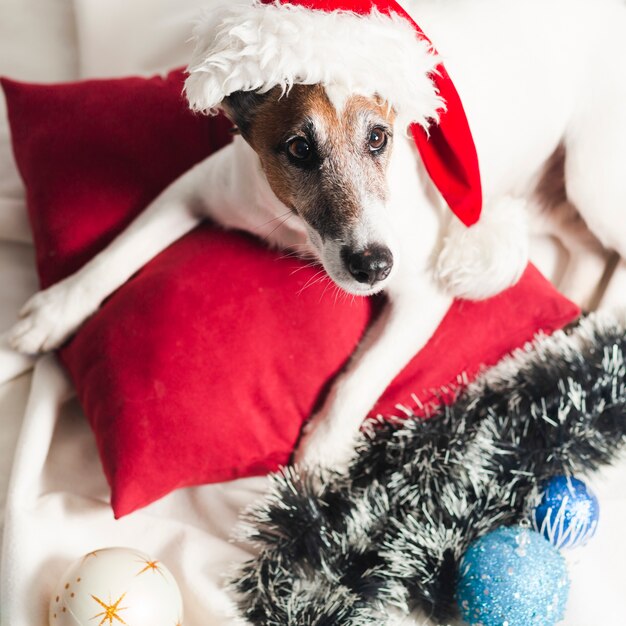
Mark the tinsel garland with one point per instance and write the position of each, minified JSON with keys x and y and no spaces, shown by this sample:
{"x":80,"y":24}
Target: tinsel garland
{"x":343,"y":550}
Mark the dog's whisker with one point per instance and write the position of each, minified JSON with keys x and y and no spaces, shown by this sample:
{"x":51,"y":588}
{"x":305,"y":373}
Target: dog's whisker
{"x":304,"y":267}
{"x":294,"y":254}
{"x":344,"y":295}
{"x":266,"y":237}
{"x":278,"y":217}
{"x":313,"y":280}
{"x":290,"y":254}
{"x":329,"y":283}
{"x":291,"y":247}
{"x":318,"y":281}
{"x":309,"y":281}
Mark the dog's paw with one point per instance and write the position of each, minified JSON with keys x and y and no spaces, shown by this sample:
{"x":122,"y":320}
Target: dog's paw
{"x":324,"y":447}
{"x":483,"y":260}
{"x":49,"y":318}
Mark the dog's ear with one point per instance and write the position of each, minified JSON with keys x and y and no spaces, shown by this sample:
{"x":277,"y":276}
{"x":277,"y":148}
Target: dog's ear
{"x":241,"y":108}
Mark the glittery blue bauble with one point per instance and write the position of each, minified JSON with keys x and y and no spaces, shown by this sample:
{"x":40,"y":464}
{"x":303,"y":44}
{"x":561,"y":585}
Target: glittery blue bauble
{"x":512,"y":577}
{"x":567,"y":515}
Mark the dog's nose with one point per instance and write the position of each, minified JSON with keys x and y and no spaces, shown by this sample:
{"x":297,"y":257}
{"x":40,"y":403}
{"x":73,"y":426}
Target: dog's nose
{"x":370,"y":265}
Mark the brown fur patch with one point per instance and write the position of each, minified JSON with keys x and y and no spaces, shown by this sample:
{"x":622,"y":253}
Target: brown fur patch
{"x":279,"y":118}
{"x":328,"y":192}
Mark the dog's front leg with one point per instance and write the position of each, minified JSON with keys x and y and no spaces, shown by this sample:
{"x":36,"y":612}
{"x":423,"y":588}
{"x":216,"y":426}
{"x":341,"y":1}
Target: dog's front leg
{"x":53,"y":314}
{"x":402,"y":329}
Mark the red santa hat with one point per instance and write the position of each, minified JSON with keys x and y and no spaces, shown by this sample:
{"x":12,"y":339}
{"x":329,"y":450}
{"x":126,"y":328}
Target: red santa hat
{"x":369,"y":46}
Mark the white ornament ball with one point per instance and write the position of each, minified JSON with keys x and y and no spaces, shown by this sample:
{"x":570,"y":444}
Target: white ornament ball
{"x":114,"y":587}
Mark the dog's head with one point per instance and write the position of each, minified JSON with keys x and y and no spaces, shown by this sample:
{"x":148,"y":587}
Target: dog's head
{"x":313,"y":93}
{"x":323,"y":96}
{"x":325,"y":154}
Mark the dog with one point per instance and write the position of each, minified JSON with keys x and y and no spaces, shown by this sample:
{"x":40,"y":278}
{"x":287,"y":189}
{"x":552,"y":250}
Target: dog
{"x":323,"y":165}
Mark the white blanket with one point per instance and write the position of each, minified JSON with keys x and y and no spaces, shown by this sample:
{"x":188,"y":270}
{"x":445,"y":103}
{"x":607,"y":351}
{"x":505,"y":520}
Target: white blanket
{"x":56,"y":505}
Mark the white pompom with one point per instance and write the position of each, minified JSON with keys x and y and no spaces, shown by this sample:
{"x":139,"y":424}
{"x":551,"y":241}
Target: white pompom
{"x":486,"y":258}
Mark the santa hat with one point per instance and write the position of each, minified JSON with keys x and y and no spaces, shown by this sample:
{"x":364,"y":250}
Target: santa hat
{"x":369,"y":46}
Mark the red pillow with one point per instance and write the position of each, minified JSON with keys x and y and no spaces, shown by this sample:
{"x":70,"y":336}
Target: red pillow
{"x":203,"y":367}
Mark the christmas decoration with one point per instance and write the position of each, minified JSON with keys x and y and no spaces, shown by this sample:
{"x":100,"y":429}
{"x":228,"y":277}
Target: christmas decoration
{"x":395,"y":528}
{"x":243,"y":47}
{"x":116,"y":586}
{"x":567,"y":514}
{"x":512,"y":576}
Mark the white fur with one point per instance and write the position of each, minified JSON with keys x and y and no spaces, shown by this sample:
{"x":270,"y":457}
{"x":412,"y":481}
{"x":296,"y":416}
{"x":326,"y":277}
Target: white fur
{"x":482,"y":260}
{"x":533,"y":76}
{"x":250,"y":46}
{"x":416,"y":306}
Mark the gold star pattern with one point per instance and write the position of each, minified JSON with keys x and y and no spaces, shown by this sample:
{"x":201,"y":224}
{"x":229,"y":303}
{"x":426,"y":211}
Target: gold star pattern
{"x":110,"y":611}
{"x":150,"y":566}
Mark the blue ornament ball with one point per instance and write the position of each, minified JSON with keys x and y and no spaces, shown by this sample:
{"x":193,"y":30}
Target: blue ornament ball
{"x":512,"y":577}
{"x":567,"y":515}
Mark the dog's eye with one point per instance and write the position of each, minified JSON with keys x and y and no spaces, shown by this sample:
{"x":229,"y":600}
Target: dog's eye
{"x":299,"y":148}
{"x":378,"y":139}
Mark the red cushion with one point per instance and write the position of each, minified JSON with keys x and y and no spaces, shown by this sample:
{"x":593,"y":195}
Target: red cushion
{"x":203,"y":367}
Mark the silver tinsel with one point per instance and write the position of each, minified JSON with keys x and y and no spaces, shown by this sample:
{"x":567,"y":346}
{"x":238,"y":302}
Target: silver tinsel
{"x":391,"y":532}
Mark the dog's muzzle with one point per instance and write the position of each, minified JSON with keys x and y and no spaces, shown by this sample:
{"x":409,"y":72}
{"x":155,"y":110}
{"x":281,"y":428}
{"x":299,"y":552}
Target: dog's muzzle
{"x":368,"y":266}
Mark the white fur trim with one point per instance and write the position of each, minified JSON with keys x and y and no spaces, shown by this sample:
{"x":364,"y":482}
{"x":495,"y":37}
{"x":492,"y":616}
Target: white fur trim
{"x":255,"y":47}
{"x":483,"y":260}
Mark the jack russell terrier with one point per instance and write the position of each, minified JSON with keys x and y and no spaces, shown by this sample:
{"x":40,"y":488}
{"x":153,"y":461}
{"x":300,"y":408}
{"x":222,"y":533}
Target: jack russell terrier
{"x":347,"y":153}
